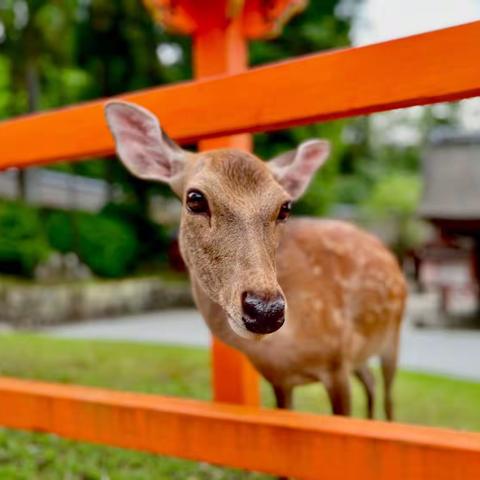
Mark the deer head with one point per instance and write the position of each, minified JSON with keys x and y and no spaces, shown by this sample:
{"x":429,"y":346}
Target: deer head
{"x":234,"y":207}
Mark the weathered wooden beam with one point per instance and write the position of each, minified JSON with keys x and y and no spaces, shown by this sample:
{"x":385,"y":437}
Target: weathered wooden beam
{"x":422,"y":69}
{"x":299,"y":445}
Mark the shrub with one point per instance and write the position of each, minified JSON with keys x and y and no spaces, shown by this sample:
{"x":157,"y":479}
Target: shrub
{"x":394,"y":200}
{"x":153,"y":238}
{"x":22,"y":239}
{"x":109,"y":246}
{"x":60,"y":231}
{"x":395,"y":194}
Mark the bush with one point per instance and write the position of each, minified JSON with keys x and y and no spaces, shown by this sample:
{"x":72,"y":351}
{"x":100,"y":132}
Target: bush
{"x":60,"y":231}
{"x":395,"y":194}
{"x":153,"y":238}
{"x":394,"y":200}
{"x":23,"y":244}
{"x":109,"y":246}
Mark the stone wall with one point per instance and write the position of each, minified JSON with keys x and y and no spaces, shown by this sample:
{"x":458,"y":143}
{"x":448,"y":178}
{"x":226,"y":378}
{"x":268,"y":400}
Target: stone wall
{"x":30,"y":305}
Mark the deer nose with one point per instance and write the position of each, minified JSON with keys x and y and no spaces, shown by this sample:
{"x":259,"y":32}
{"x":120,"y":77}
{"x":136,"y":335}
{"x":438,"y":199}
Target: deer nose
{"x":263,"y":313}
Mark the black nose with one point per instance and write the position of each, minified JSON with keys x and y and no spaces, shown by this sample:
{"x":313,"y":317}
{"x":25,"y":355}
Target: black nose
{"x":263,"y":313}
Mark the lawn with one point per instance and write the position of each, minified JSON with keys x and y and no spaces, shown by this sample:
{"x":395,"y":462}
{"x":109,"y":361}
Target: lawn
{"x":421,"y":399}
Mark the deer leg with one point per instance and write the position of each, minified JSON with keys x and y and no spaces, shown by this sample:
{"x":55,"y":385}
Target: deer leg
{"x":389,"y":361}
{"x":389,"y":367}
{"x":367,"y":379}
{"x":338,"y":388}
{"x":283,"y":397}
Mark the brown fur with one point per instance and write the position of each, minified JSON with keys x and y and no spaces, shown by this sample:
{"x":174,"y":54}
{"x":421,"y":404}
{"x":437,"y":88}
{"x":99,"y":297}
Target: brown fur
{"x":345,"y":292}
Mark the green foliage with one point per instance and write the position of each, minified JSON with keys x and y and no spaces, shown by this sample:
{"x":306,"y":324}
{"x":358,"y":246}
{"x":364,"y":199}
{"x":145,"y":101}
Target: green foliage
{"x":318,"y":28}
{"x":153,"y":239}
{"x":5,"y":94}
{"x":396,"y":194}
{"x":373,"y":171}
{"x":108,"y":245}
{"x":351,"y":189}
{"x":395,"y":199}
{"x":22,"y":241}
{"x":38,"y":39}
{"x":61,"y":231}
{"x":115,"y":45}
{"x":112,"y":243}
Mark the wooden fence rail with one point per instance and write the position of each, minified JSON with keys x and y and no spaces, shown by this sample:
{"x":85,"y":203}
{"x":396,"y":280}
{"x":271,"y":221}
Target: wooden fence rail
{"x":300,"y":445}
{"x":431,"y":67}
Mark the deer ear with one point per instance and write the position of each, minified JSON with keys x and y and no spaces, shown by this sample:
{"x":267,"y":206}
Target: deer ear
{"x":142,"y":146}
{"x":294,"y":169}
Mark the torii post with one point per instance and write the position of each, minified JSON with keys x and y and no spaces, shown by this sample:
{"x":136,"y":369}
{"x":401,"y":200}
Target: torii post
{"x":221,"y":30}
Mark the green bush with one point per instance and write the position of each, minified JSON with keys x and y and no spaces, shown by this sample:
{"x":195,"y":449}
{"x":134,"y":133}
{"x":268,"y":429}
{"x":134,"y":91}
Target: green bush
{"x":109,"y":246}
{"x":60,"y":231}
{"x":394,"y":199}
{"x":396,"y":194}
{"x":22,"y":240}
{"x":153,"y":238}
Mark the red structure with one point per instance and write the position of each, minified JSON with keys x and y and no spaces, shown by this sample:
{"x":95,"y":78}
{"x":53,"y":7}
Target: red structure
{"x":256,"y":18}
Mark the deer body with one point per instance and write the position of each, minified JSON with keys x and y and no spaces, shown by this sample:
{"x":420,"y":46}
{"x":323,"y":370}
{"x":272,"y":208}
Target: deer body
{"x":307,"y":300}
{"x":345,"y":295}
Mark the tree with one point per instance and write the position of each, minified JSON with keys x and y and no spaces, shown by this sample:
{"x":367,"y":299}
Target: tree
{"x":116,"y":43}
{"x":394,"y":200}
{"x":36,"y":38}
{"x":320,"y":27}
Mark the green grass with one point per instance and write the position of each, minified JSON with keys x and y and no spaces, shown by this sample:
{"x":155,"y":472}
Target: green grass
{"x":420,"y":399}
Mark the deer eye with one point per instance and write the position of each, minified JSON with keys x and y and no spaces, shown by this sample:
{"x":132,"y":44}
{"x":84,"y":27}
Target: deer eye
{"x":284,"y":212}
{"x":196,"y":202}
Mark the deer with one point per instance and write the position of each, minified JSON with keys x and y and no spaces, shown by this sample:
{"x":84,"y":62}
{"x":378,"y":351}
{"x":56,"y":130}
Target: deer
{"x":306,"y":300}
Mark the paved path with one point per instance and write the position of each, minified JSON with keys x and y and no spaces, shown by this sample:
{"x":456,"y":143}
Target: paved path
{"x":183,"y":327}
{"x":450,"y":352}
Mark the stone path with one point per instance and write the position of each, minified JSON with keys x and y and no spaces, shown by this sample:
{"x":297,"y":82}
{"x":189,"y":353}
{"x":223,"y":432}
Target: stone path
{"x":449,"y":352}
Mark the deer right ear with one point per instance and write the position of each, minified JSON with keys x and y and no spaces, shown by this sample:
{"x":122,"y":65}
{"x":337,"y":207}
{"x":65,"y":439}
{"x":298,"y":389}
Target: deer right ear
{"x":294,"y":169}
{"x":141,"y":144}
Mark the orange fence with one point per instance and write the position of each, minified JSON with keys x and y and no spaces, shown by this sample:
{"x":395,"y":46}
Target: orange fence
{"x":273,"y":441}
{"x":427,"y":68}
{"x":418,"y":70}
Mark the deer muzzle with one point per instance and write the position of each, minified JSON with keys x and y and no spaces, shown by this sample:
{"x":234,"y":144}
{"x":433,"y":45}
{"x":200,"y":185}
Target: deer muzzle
{"x":262,"y":313}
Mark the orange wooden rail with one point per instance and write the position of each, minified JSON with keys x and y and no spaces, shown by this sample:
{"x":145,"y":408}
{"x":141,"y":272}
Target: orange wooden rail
{"x":431,"y":67}
{"x":301,"y":445}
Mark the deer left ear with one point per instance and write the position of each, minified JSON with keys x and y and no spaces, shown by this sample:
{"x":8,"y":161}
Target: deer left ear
{"x":141,"y":144}
{"x":294,"y":169}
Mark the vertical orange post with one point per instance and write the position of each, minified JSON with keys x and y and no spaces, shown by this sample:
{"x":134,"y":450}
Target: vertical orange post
{"x":217,"y":51}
